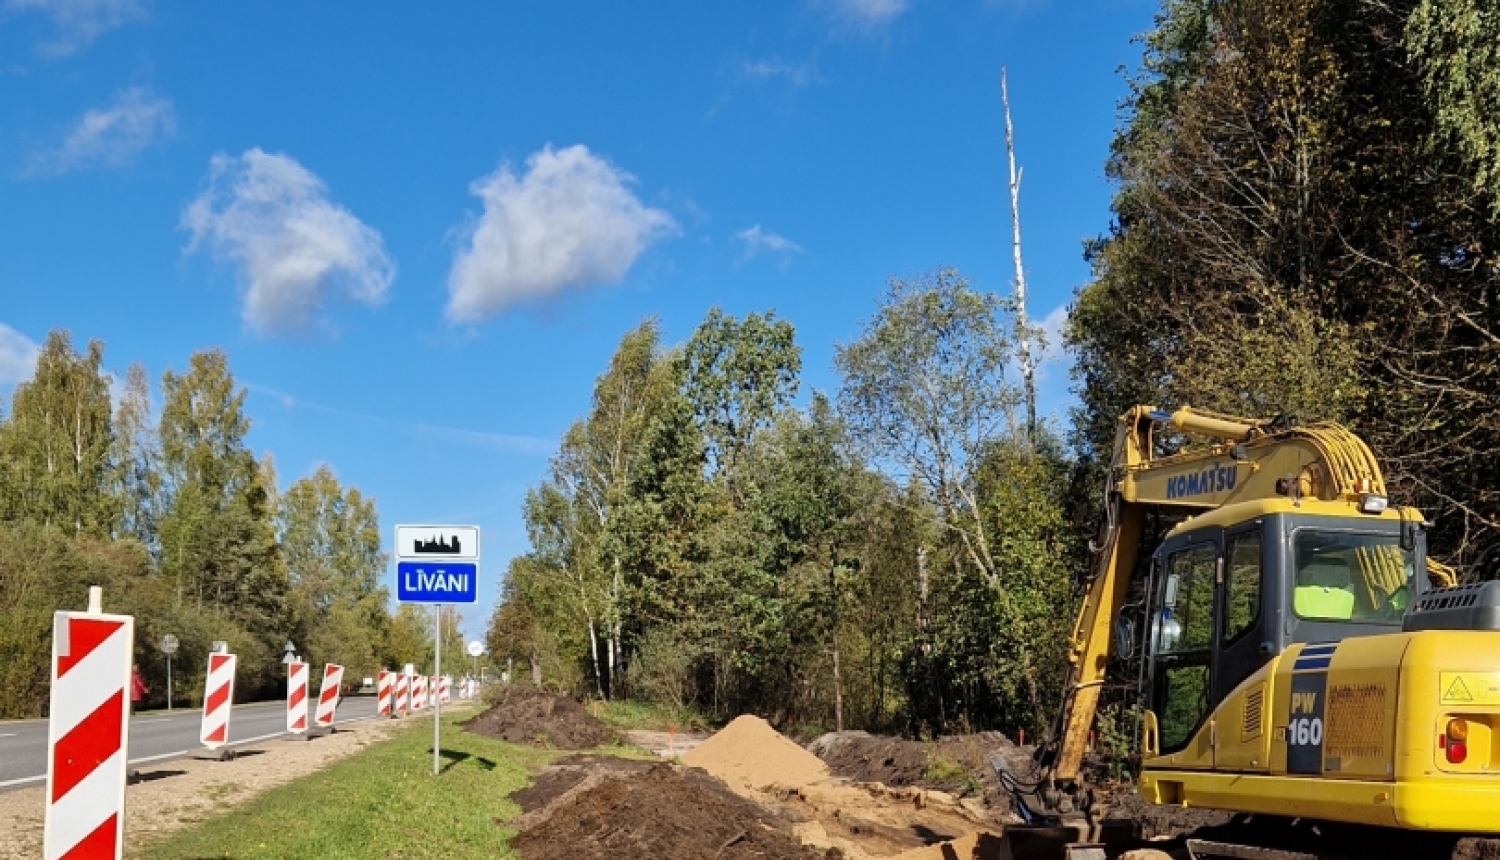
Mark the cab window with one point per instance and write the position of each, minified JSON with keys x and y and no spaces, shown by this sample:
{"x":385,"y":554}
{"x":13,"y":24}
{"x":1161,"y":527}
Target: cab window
{"x":1242,"y":578}
{"x":1347,"y":576}
{"x":1188,"y":606}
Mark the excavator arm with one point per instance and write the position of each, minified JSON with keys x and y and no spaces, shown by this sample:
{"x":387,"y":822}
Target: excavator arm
{"x":1245,"y":459}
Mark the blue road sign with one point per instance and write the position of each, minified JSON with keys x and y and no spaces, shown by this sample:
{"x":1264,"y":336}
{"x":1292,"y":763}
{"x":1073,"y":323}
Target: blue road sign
{"x":437,"y":582}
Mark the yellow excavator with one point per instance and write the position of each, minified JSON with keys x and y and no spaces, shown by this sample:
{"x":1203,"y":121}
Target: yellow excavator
{"x":1293,"y":651}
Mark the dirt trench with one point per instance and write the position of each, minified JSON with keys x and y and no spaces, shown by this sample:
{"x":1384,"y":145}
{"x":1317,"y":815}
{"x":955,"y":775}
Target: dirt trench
{"x":747,"y":791}
{"x":750,"y":792}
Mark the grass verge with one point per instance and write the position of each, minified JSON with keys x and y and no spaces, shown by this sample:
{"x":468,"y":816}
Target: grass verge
{"x":382,"y":802}
{"x":625,"y":714}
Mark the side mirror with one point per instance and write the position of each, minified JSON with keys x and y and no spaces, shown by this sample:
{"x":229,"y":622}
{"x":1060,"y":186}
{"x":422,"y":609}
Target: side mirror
{"x":1169,"y":600}
{"x":1125,"y":638}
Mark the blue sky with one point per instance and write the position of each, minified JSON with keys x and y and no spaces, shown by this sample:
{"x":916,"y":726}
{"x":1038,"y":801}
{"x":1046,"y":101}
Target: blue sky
{"x":420,"y":229}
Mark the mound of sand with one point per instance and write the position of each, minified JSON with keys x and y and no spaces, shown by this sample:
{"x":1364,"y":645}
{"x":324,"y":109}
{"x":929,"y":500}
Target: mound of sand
{"x":749,"y":752}
{"x":527,"y":715}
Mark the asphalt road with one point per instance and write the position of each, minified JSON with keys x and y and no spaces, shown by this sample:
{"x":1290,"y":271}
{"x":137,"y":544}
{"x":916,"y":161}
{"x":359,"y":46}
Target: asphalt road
{"x":155,"y":736}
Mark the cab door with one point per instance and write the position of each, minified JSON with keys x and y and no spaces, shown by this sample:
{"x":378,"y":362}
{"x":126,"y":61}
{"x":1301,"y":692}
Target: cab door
{"x":1245,"y":645}
{"x":1182,"y":661}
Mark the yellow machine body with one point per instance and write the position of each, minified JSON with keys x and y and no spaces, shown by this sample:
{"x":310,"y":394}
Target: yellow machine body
{"x":1351,"y":719}
{"x":1385,"y":703}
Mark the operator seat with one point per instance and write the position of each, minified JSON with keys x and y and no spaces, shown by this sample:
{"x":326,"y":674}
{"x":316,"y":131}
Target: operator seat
{"x":1323,"y":590}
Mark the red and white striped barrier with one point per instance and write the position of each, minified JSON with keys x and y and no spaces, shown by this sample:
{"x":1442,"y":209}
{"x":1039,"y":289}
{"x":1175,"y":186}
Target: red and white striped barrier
{"x":328,"y":697}
{"x":88,"y":735}
{"x":418,"y":692}
{"x":296,"y":698}
{"x":445,"y":694}
{"x":384,"y":693}
{"x":218,"y":699}
{"x":403,"y":694}
{"x":434,"y":688}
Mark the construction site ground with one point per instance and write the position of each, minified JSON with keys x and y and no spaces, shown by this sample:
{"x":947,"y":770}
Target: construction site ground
{"x":748,"y":791}
{"x":543,"y":779}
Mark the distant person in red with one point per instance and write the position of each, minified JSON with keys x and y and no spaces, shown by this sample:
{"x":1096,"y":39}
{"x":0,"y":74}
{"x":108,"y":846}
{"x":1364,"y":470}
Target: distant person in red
{"x":138,"y":688}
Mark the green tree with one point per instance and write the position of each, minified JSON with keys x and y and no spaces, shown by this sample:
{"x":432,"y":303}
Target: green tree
{"x":738,"y":375}
{"x":55,"y":448}
{"x":593,"y":468}
{"x":330,"y":541}
{"x":137,"y":480}
{"x":924,"y":387}
{"x":218,"y":542}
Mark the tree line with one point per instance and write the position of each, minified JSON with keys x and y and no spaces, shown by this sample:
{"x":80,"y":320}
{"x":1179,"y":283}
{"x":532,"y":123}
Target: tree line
{"x":1305,"y":223}
{"x":894,"y":555}
{"x":171,"y":512}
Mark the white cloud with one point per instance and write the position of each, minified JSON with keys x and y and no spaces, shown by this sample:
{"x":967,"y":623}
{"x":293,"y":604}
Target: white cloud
{"x":506,"y":442}
{"x":18,"y":355}
{"x":569,"y":221}
{"x":869,"y":14}
{"x":757,"y":240}
{"x":80,"y":22}
{"x":112,"y":135}
{"x":295,"y":248}
{"x":775,"y":68}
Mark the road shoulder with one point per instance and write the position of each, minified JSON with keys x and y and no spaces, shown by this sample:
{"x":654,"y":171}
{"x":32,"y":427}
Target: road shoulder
{"x":182,"y":792}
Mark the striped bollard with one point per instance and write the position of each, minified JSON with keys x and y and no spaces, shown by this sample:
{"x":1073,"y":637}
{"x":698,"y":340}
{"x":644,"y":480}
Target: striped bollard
{"x":418,"y":692}
{"x":218,"y":701}
{"x":445,"y":694}
{"x":328,"y":697}
{"x":403,"y":694}
{"x":88,"y":734}
{"x":296,"y":698}
{"x":435,"y":688}
{"x":384,"y":693}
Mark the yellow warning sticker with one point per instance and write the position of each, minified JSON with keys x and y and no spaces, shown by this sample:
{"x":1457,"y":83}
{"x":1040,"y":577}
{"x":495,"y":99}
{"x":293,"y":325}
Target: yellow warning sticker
{"x":1469,"y":688}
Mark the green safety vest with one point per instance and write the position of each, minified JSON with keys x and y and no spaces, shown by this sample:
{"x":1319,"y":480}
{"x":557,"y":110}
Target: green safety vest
{"x":1317,"y":601}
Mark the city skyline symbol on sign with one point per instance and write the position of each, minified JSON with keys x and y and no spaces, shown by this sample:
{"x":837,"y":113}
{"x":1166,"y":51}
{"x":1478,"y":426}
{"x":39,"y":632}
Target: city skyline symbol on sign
{"x":460,"y":543}
{"x":437,"y":564}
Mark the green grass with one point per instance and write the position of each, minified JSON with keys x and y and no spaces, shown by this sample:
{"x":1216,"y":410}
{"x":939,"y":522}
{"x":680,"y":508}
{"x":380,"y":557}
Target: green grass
{"x":625,"y":714}
{"x":382,"y":802}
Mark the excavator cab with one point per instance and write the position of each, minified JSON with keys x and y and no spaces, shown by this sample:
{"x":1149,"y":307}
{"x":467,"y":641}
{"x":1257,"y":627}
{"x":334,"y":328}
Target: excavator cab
{"x":1230,"y":590}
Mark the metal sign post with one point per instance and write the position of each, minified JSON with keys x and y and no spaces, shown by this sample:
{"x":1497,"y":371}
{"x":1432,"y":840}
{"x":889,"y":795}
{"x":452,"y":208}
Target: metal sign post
{"x":437,"y":668}
{"x":169,"y":645}
{"x":437,"y":565}
{"x":475,"y":649}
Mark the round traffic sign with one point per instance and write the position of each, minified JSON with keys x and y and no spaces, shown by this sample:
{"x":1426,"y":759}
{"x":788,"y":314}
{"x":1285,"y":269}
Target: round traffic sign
{"x":169,"y":644}
{"x":476,"y":648}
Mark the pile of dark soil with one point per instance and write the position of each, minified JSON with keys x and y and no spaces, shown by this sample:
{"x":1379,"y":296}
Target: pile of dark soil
{"x":527,"y":715}
{"x":957,"y":764}
{"x":587,"y":807}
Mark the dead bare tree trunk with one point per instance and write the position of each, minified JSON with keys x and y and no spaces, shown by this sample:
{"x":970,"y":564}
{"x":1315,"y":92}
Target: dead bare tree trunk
{"x":1023,"y":333}
{"x":838,"y":682}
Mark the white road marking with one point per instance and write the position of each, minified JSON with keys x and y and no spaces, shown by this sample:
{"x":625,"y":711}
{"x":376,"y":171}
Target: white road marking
{"x":178,"y":754}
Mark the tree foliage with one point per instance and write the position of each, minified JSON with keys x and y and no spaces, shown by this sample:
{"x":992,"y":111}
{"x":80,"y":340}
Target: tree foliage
{"x":183,"y":528}
{"x":743,"y":556}
{"x":330,"y":542}
{"x":1305,"y":223}
{"x":55,"y":448}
